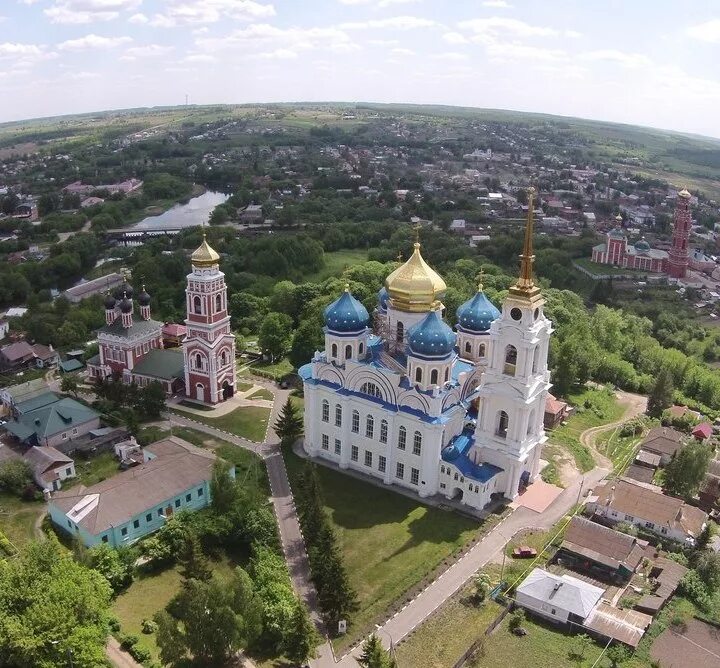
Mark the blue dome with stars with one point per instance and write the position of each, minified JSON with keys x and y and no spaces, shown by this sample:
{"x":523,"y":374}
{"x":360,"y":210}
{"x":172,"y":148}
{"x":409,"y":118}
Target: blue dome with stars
{"x":346,"y":314}
{"x":383,"y":297}
{"x":642,"y":246}
{"x":431,"y":337}
{"x":477,"y":314}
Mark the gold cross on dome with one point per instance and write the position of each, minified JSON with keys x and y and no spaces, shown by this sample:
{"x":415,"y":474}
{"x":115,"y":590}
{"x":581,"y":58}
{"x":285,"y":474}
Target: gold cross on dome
{"x":479,"y":279}
{"x":399,"y":257}
{"x":417,"y":227}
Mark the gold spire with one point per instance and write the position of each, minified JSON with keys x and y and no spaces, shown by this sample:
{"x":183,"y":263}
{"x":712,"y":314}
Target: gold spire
{"x":205,"y":255}
{"x":480,"y":276}
{"x":414,"y":286}
{"x":684,"y":194}
{"x":525,"y":288}
{"x":347,"y":287}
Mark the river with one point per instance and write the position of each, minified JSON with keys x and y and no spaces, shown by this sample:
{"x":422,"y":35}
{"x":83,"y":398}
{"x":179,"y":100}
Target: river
{"x":194,"y":212}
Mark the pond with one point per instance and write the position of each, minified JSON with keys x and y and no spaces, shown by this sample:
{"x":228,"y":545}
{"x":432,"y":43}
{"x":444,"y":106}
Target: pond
{"x":194,"y":212}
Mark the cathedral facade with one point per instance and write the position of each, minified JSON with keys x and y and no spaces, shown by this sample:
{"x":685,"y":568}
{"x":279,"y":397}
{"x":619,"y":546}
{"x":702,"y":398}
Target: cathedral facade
{"x":420,"y":406}
{"x":131,"y":343}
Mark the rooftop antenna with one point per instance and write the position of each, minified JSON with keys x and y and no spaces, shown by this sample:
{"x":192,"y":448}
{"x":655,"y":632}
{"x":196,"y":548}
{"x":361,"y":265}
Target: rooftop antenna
{"x":186,"y":99}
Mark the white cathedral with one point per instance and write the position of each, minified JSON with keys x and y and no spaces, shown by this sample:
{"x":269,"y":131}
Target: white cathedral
{"x":417,"y":405}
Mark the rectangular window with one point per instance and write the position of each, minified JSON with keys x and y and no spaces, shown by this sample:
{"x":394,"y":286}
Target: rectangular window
{"x":381,"y":464}
{"x":414,"y":476}
{"x":177,"y":503}
{"x":201,"y":491}
{"x":355,"y":422}
{"x":325,"y":411}
{"x":123,"y":531}
{"x":338,"y":447}
{"x":443,"y":485}
{"x":417,"y":448}
{"x":649,"y":525}
{"x":74,"y":431}
{"x":325,"y":442}
{"x":400,"y":470}
{"x":402,"y":438}
{"x":105,"y":539}
{"x":64,"y":437}
{"x":354,"y":453}
{"x":663,"y":530}
{"x":136,"y":524}
{"x":159,"y":512}
{"x":68,"y":471}
{"x":383,"y":432}
{"x":369,"y":427}
{"x":368,"y":458}
{"x":148,"y":517}
{"x":629,"y":518}
{"x":338,"y":416}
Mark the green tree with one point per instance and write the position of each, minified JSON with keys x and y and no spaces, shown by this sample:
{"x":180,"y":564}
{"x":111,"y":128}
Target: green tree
{"x":707,"y":565}
{"x":275,"y":335}
{"x":374,"y":654}
{"x":45,"y":596}
{"x":16,"y":476}
{"x":207,"y":620}
{"x":705,"y":536}
{"x":289,"y":425}
{"x":302,"y":638}
{"x":223,"y":490}
{"x":195,"y":565}
{"x":69,"y":384}
{"x":686,"y":470}
{"x":114,"y":565}
{"x":482,"y":587}
{"x":661,"y":395}
{"x":307,"y":339}
{"x":516,"y":619}
{"x":617,"y":654}
{"x":151,"y":400}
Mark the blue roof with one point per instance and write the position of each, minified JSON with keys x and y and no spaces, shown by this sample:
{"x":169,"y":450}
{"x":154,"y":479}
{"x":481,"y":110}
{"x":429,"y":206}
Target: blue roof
{"x":477,"y":314}
{"x":456,"y":453}
{"x":346,"y":314}
{"x":642,"y":245}
{"x":431,"y":337}
{"x":383,"y":297}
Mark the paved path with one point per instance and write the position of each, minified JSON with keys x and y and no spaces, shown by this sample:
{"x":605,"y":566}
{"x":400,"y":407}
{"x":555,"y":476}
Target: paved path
{"x":118,"y":657}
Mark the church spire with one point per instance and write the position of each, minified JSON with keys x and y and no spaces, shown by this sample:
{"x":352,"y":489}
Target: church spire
{"x":525,"y":288}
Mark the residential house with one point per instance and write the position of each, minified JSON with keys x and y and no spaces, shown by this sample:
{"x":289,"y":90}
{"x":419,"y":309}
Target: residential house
{"x":556,"y":411}
{"x":50,"y":467}
{"x":625,"y":500}
{"x":709,"y":492}
{"x":252,"y":214}
{"x":15,"y":356}
{"x":95,"y":286}
{"x":665,"y":576}
{"x":559,"y":598}
{"x":50,"y":420}
{"x":174,"y":476}
{"x":703,"y":431}
{"x":600,"y":550}
{"x":663,"y":441}
{"x":639,"y":473}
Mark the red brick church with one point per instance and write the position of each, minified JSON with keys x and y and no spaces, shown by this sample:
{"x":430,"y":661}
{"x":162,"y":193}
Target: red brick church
{"x":131,"y":342}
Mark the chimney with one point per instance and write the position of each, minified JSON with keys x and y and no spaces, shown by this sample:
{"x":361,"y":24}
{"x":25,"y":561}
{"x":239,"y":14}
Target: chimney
{"x":555,"y":589}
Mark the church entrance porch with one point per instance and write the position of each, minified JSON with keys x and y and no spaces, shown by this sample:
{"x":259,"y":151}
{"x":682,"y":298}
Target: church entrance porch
{"x":537,"y":496}
{"x":227,"y":390}
{"x":456,"y":494}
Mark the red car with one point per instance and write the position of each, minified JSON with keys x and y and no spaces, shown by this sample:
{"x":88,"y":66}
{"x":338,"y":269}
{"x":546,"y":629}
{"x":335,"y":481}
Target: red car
{"x":524,"y":552}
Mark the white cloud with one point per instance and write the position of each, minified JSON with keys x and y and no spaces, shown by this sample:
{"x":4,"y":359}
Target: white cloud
{"x":193,"y":12}
{"x":81,"y":76}
{"x":507,"y":52}
{"x":402,"y":52}
{"x":496,"y":26}
{"x":497,"y":4}
{"x":148,"y":51}
{"x":378,"y":3}
{"x":624,"y":58}
{"x":706,"y":32}
{"x":200,"y":58}
{"x":88,"y":11}
{"x":277,"y":54}
{"x":455,"y":38}
{"x":573,"y":34}
{"x":394,"y":23}
{"x":138,"y":19}
{"x":93,"y":42}
{"x":13,"y":49}
{"x":450,"y":55}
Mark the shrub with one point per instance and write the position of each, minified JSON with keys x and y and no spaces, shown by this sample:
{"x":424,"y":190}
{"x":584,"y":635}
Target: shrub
{"x":140,"y":653}
{"x":114,"y":624}
{"x":148,"y":626}
{"x":516,"y":619}
{"x":128,"y":641}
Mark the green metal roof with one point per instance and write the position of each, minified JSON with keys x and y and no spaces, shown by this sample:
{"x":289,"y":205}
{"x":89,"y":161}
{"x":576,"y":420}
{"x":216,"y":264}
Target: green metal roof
{"x":71,"y":365}
{"x":139,"y":327}
{"x":23,"y":432}
{"x":44,"y":399}
{"x":163,"y":364}
{"x":57,"y":417}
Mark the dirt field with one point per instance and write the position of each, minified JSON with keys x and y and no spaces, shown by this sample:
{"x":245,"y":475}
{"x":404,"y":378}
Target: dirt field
{"x":698,"y":646}
{"x":18,"y":149}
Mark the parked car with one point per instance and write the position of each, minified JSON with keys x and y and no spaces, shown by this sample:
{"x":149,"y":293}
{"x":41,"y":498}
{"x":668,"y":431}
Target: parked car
{"x":524,"y":552}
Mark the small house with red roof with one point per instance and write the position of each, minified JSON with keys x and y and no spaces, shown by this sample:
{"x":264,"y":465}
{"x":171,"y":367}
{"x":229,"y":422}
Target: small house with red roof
{"x":703,"y":431}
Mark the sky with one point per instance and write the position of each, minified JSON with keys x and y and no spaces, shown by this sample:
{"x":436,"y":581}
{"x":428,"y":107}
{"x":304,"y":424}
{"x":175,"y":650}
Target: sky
{"x":634,"y":61}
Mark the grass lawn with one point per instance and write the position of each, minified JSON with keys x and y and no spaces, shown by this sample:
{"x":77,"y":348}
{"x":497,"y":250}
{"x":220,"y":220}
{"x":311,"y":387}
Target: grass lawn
{"x":594,"y":408}
{"x":275,"y":370}
{"x":262,"y":394}
{"x":336,"y":262}
{"x":243,"y":386}
{"x":17,"y":518}
{"x":619,"y":449}
{"x":94,"y":470}
{"x":247,"y":422}
{"x":195,"y":404}
{"x":249,"y":468}
{"x":610,"y":270}
{"x":550,"y":474}
{"x":389,"y":542}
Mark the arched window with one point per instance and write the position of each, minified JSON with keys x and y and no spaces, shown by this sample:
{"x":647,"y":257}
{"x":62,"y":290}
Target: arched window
{"x":536,"y":358}
{"x":417,"y":443}
{"x":531,"y":423}
{"x":369,"y":426}
{"x":371,"y":389}
{"x":418,"y":375}
{"x":197,"y":304}
{"x":348,"y":352}
{"x":447,"y":374}
{"x":333,"y":350}
{"x":361,"y":348}
{"x":198,"y":361}
{"x":502,"y":424}
{"x":223,"y":358}
{"x":218,"y":303}
{"x":400,"y":332}
{"x":481,"y":350}
{"x":383,"y":431}
{"x":468,"y":347}
{"x":402,"y":438}
{"x":355,"y":421}
{"x":434,"y":377}
{"x":325,"y":410}
{"x":510,"y":360}
{"x":338,"y":415}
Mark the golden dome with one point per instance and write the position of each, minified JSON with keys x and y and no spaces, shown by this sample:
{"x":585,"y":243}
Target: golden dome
{"x":205,"y":255}
{"x":414,"y":286}
{"x":684,"y":193}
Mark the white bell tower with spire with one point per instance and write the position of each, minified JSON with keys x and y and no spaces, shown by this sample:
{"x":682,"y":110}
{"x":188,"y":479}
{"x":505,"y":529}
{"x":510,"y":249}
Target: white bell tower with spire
{"x":514,"y":387}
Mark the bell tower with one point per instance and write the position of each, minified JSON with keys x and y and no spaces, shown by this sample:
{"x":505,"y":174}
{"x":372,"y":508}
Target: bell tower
{"x":209,"y":347}
{"x":514,"y":387}
{"x":678,"y":259}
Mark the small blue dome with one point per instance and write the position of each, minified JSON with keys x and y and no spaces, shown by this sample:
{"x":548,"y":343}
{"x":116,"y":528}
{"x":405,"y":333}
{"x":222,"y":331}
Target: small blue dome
{"x":477,"y":314}
{"x":346,"y":314}
{"x":383,"y":297}
{"x":642,"y":246}
{"x":431,"y":337}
